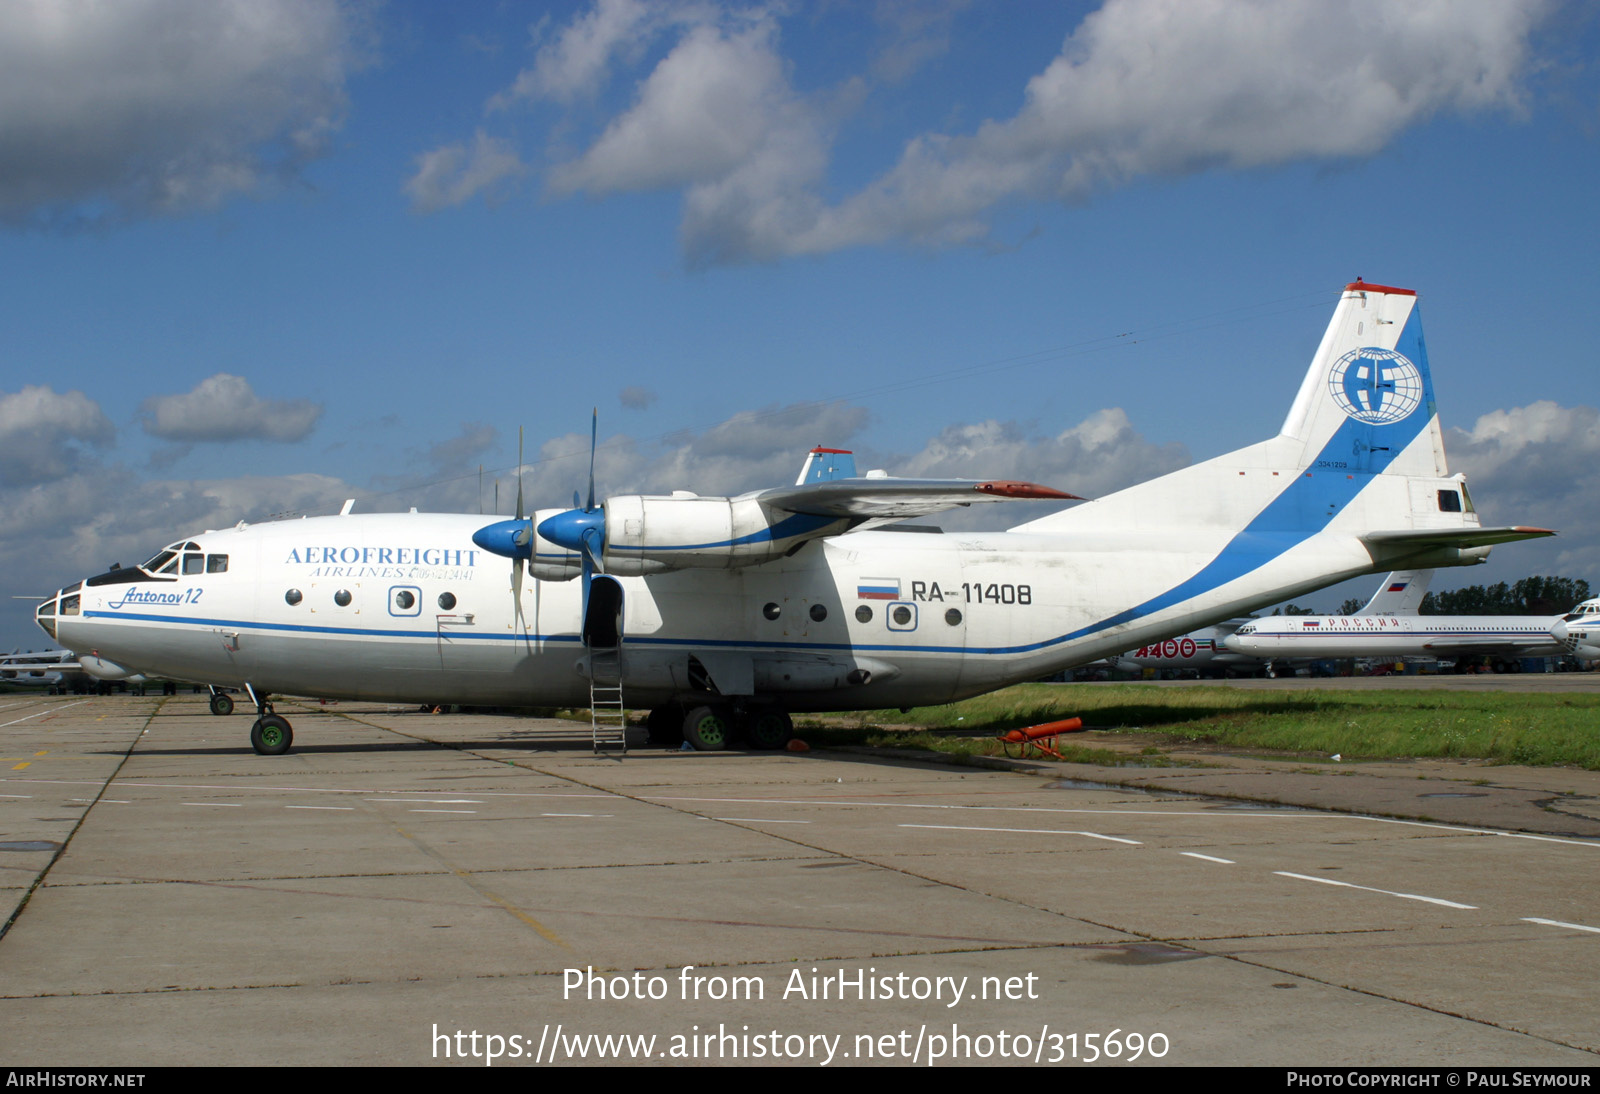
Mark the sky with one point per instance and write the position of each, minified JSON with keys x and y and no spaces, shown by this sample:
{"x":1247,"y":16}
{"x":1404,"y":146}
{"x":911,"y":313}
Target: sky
{"x":261,"y":256}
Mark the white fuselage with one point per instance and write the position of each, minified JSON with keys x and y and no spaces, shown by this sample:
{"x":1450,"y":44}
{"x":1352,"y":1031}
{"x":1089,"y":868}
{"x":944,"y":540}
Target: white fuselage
{"x":1394,"y":636}
{"x":1201,"y":649}
{"x":767,"y":598}
{"x":430,"y":618}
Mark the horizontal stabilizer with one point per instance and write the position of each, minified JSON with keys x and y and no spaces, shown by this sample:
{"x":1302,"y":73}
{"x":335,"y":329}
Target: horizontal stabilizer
{"x":898,"y":499}
{"x":1423,"y":538}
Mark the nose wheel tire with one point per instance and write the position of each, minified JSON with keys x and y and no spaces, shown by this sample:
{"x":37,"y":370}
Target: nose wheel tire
{"x":271,"y":735}
{"x":221,"y":704}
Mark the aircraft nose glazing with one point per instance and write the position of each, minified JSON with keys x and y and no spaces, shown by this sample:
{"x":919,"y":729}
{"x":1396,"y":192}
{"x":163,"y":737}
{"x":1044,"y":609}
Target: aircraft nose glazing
{"x":46,"y":613}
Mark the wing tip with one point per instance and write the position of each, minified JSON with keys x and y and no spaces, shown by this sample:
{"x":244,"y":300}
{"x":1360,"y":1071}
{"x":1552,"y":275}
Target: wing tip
{"x":1008,"y":488}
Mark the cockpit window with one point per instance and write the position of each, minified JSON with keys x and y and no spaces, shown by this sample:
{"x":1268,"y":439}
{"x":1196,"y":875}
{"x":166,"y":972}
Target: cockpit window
{"x":216,"y":564}
{"x":194,"y":564}
{"x":171,"y":567}
{"x":156,"y":564}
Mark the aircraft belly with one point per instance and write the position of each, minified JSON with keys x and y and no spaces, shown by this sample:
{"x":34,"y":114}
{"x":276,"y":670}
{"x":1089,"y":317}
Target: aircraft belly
{"x":175,"y":651}
{"x":500,"y":672}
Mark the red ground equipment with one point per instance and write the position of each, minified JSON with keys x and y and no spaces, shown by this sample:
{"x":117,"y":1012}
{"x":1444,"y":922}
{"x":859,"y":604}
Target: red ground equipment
{"x":1039,"y":736}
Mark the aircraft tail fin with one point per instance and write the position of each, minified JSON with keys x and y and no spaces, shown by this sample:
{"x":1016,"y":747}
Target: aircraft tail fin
{"x":826,"y":465}
{"x":1366,"y":403}
{"x":1355,"y":482}
{"x":1361,"y":449}
{"x":1400,"y":593}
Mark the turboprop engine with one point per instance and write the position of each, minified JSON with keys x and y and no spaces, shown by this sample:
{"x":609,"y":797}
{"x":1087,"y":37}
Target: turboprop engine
{"x":637,"y":534}
{"x":634,"y":535}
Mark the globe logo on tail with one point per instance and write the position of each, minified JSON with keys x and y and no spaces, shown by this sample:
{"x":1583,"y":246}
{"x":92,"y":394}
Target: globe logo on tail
{"x":1376,"y":386}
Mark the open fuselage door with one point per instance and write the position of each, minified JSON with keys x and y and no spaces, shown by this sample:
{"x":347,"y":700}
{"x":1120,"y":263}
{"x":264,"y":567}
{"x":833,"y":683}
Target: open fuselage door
{"x":602,"y":644}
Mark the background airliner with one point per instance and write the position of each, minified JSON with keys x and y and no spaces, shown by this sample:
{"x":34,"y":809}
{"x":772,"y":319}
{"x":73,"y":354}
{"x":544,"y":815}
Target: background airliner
{"x":1502,"y":639}
{"x":1205,"y":650}
{"x":53,"y":669}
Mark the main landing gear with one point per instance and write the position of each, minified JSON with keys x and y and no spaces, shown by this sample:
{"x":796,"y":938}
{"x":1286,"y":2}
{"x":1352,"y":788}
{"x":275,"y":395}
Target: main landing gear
{"x":270,"y":734}
{"x":712,"y":727}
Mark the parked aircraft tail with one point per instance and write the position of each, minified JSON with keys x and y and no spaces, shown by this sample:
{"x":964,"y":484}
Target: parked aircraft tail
{"x":1400,"y":593}
{"x":1356,"y":473}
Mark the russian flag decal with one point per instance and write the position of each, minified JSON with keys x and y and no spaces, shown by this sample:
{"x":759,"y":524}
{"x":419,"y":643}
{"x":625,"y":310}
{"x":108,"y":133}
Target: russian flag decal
{"x":878,"y":588}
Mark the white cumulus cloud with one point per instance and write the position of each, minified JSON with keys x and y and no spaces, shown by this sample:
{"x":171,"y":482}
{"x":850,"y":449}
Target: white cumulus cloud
{"x":578,"y":61}
{"x":454,"y":173}
{"x":1168,"y":87}
{"x":42,"y":434}
{"x":1530,"y":465}
{"x":1140,"y":88}
{"x":705,"y":109}
{"x":111,"y":111}
{"x":225,"y":408}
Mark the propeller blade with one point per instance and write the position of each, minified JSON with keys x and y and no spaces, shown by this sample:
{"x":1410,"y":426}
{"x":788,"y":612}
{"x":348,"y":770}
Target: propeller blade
{"x":593,"y":544}
{"x":594,"y":436}
{"x":519,"y":472}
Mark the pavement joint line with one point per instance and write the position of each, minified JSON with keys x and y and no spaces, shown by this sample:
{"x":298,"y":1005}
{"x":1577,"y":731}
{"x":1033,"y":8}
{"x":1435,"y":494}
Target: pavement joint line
{"x":82,"y":819}
{"x":749,"y":820}
{"x":821,"y":852}
{"x":1298,"y":812}
{"x":467,"y":877}
{"x":1288,"y":813}
{"x":1404,"y":1002}
{"x":291,"y":789}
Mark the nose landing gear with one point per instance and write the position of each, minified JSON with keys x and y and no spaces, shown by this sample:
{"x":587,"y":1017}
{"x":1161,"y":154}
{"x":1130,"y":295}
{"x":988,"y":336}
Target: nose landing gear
{"x":270,"y":734}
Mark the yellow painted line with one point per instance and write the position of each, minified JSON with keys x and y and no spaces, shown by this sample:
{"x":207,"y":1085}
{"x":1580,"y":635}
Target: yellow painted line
{"x":22,"y":765}
{"x":42,"y":752}
{"x":472,"y":881}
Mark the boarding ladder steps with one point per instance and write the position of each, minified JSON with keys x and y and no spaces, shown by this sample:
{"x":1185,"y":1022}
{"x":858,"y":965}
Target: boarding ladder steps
{"x":608,"y":721}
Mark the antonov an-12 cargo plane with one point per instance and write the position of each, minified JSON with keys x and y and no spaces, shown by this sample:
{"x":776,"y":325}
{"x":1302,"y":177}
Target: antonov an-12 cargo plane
{"x":725,"y":615}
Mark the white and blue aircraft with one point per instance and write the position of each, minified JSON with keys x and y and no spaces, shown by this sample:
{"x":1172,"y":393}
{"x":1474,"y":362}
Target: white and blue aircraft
{"x":1208,"y":650}
{"x":53,"y":669}
{"x":1465,"y":638}
{"x":724,"y":615}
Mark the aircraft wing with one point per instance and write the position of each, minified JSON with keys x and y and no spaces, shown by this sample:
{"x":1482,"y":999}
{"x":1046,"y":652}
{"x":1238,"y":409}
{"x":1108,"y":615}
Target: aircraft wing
{"x":1482,"y":643}
{"x":898,"y":499}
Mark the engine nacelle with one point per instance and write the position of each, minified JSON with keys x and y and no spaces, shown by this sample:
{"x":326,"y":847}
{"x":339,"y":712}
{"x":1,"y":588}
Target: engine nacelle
{"x":551,"y":561}
{"x":649,"y":534}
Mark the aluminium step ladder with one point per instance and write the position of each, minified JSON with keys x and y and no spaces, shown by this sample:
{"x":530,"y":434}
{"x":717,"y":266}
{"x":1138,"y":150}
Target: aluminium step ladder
{"x":608,"y":721}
